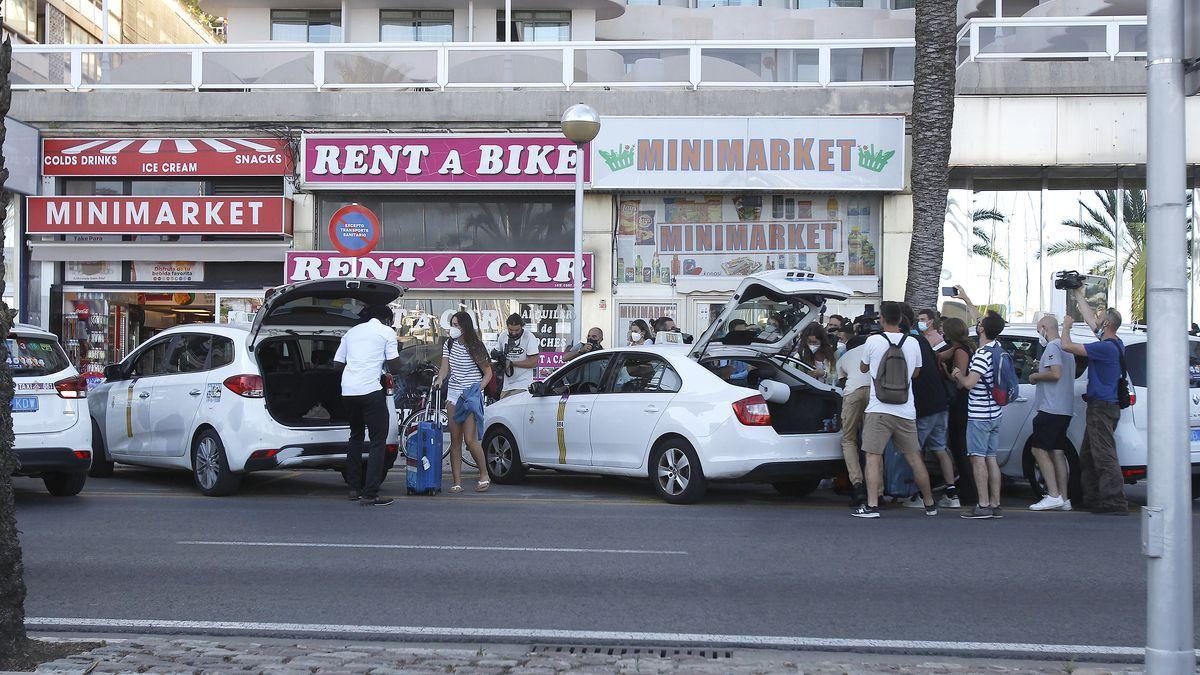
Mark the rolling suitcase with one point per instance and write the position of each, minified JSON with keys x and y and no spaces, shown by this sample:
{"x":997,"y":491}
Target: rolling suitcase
{"x":423,"y":451}
{"x":898,"y":476}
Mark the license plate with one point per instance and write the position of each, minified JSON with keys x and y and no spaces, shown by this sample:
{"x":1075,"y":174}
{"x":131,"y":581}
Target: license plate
{"x":24,"y":404}
{"x":1195,"y":435}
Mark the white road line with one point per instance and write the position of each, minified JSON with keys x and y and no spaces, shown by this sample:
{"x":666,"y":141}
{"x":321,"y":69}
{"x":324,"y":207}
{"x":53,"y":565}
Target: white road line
{"x":774,"y":641}
{"x":430,"y":547}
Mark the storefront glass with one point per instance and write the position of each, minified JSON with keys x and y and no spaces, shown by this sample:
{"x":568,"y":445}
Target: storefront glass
{"x":12,"y":216}
{"x":664,"y":237}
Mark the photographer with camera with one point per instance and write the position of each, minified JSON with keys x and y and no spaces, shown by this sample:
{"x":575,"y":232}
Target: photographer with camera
{"x":516,"y":355}
{"x":593,"y":342}
{"x":1107,"y":393}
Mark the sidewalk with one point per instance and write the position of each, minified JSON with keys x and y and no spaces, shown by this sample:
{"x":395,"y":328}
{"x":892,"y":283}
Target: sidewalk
{"x":209,"y":655}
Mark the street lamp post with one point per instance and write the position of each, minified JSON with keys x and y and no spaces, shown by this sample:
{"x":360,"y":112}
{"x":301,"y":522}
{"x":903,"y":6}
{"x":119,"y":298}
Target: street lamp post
{"x":580,"y":124}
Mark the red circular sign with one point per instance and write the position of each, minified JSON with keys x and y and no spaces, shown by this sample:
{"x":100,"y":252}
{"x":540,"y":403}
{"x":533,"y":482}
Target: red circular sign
{"x":354,"y":230}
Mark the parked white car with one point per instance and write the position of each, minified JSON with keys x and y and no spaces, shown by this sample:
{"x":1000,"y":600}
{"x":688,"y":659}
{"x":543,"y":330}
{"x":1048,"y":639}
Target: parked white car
{"x":684,"y":416}
{"x":1016,"y":460}
{"x":223,"y":400}
{"x":52,"y":438}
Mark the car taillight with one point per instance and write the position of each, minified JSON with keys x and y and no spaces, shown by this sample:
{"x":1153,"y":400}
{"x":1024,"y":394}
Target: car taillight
{"x":389,"y":383}
{"x":263,"y":454}
{"x":753,"y":411}
{"x":248,"y":386}
{"x":1132,"y":397}
{"x":83,"y":454}
{"x":72,"y":387}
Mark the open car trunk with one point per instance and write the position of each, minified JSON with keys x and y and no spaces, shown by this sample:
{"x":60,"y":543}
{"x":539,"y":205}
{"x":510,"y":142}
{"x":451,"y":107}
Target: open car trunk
{"x":797,"y":406}
{"x":300,"y":385}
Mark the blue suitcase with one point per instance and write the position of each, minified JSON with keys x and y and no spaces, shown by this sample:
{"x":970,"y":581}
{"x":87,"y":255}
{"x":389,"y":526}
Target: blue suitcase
{"x":423,"y":453}
{"x":898,"y":476}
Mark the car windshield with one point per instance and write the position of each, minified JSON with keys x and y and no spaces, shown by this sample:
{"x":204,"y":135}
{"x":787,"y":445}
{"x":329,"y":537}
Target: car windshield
{"x":761,"y":317}
{"x":30,"y":357}
{"x":1135,"y":361}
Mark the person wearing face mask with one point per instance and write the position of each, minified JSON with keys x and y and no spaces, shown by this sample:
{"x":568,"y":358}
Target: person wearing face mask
{"x":1103,"y":483}
{"x":817,"y":354}
{"x":933,"y":398}
{"x":773,"y":331}
{"x":639,"y":334}
{"x":1054,"y":400}
{"x":929,"y":323}
{"x":592,"y":344}
{"x":519,"y":349}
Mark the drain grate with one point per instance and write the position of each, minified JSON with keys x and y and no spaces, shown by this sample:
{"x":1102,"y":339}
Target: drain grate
{"x":627,"y":651}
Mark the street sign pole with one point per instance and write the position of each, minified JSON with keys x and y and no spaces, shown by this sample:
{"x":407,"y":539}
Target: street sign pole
{"x":1167,"y":520}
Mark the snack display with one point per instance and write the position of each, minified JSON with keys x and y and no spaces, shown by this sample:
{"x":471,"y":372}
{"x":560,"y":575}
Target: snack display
{"x":741,"y":266}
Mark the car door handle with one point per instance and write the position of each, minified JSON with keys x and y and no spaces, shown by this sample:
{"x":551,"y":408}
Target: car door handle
{"x":582,"y":409}
{"x":195,"y":392}
{"x":144,"y":394}
{"x":650,"y":409}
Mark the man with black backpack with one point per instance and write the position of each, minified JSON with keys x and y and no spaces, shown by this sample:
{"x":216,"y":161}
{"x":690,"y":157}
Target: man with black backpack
{"x":990,"y":382}
{"x":892,"y":359}
{"x":1107,"y":394}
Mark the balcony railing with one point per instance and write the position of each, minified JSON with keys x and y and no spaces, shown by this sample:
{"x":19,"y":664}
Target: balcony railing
{"x":466,"y":65}
{"x":1106,"y":38}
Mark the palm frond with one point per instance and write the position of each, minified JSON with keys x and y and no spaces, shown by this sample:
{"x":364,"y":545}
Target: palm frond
{"x":983,"y":215}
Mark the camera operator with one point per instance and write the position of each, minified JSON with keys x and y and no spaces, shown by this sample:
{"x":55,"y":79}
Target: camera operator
{"x":516,"y":356}
{"x":1103,"y":484}
{"x":593,"y":344}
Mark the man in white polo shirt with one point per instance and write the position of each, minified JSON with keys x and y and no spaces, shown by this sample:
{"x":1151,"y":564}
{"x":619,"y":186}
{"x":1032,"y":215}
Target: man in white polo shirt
{"x":364,"y":351}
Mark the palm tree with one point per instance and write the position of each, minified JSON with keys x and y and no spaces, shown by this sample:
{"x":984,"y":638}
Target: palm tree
{"x":1098,"y":233}
{"x":932,"y":118}
{"x":984,"y":245}
{"x":13,"y":641}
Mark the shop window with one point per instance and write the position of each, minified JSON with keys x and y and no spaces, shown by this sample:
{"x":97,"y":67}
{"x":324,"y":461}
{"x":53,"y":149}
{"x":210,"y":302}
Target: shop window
{"x":151,"y":361}
{"x":222,"y":352}
{"x":413,"y":25}
{"x":246,"y":186}
{"x":167,"y":188}
{"x":306,"y":25}
{"x":639,"y":373}
{"x":536,"y":26}
{"x":188,"y":354}
{"x":87,"y":188}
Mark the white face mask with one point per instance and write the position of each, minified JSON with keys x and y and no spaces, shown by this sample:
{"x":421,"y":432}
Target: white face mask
{"x":635,"y":336}
{"x":814,"y":348}
{"x":455,"y":332}
{"x":1042,"y":340}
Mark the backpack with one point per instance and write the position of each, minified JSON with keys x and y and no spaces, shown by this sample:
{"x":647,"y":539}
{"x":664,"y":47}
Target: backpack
{"x":1123,"y":382}
{"x":1005,"y":385}
{"x":891,"y":379}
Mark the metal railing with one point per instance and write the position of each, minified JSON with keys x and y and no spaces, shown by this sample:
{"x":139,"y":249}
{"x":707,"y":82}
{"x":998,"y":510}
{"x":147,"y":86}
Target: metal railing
{"x":474,"y":65}
{"x":1053,"y":38}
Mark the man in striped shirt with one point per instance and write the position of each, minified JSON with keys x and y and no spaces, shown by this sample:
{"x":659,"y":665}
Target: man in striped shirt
{"x":983,"y":418}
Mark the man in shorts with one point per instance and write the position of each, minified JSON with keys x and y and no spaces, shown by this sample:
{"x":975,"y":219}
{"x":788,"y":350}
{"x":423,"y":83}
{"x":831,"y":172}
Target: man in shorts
{"x":895,"y":422}
{"x":1054,"y":400}
{"x":983,"y":419}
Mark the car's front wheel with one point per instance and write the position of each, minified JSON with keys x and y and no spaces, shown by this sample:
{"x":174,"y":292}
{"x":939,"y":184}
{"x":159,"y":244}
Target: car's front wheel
{"x":64,"y":484}
{"x":503,"y":456}
{"x":802,"y":487}
{"x":210,"y":467}
{"x":676,"y":473}
{"x":102,"y":466}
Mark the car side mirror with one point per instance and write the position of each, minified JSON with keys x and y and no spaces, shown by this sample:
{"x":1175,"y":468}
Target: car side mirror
{"x":113,"y":372}
{"x":538,"y":389}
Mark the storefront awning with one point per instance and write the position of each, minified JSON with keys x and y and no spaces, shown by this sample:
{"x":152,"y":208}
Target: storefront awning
{"x":242,"y":251}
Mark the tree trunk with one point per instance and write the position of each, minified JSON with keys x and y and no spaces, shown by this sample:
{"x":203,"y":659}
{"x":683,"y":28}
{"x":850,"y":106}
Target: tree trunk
{"x":13,"y":641}
{"x":932,"y":119}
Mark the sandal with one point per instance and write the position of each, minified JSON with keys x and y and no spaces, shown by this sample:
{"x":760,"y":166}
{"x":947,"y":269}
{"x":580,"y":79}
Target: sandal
{"x":456,"y":489}
{"x":483,"y":485}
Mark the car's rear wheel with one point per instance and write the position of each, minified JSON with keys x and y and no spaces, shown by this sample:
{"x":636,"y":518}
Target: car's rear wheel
{"x":503,"y":457}
{"x":1038,"y":485}
{"x":676,"y":473}
{"x":210,"y":467}
{"x":102,"y":466}
{"x":62,"y":484}
{"x":797,"y":488}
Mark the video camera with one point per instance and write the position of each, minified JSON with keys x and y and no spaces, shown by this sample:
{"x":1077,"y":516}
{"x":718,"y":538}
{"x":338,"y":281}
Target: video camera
{"x":1068,"y":281}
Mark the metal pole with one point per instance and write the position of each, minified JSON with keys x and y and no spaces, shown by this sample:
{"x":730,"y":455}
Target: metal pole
{"x":577,"y":269}
{"x":1042,"y":242}
{"x":1195,"y":280}
{"x":470,"y":20}
{"x":508,"y":20}
{"x":1167,"y":520}
{"x":1118,"y":232}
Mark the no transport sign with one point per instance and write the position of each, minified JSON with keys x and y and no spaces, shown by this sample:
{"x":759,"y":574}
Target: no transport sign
{"x":354,"y":230}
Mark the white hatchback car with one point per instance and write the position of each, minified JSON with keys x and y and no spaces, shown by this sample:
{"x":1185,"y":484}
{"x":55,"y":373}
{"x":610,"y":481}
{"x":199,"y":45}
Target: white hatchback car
{"x":224,"y":400}
{"x":52,"y":439}
{"x":1016,"y":460}
{"x":684,"y":416}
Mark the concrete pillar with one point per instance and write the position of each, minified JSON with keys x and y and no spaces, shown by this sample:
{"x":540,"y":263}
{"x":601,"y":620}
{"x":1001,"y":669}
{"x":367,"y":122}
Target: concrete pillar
{"x":598,"y":220}
{"x":895,"y":243}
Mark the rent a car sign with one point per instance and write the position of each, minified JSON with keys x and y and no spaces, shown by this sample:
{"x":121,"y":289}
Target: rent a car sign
{"x":160,"y":215}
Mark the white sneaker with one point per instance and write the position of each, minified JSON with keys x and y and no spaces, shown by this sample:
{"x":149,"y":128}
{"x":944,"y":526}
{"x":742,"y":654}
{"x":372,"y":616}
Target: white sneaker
{"x":1048,"y":503}
{"x":949,"y":503}
{"x":1065,"y":506}
{"x":914,"y":502}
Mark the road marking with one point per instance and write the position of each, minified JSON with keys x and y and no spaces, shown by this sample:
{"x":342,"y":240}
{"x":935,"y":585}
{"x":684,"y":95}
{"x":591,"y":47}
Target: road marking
{"x":624,"y":637}
{"x":430,"y":547}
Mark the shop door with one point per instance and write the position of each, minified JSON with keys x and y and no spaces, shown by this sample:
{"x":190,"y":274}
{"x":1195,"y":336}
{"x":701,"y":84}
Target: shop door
{"x":702,"y":310}
{"x":178,"y":394}
{"x":559,"y":423}
{"x":129,"y":419}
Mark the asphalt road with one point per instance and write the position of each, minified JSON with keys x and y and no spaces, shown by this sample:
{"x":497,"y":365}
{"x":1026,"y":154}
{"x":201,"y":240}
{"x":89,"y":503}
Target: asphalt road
{"x":577,"y":553}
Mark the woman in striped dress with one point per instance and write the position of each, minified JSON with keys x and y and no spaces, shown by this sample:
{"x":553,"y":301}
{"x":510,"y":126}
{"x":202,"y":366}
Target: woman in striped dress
{"x":467,"y":370}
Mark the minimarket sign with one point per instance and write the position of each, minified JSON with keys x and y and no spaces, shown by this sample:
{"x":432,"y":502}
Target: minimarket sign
{"x":750,"y":153}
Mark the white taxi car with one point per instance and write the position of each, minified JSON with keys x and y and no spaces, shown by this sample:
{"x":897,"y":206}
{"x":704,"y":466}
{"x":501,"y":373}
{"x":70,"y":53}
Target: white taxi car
{"x":728,"y":408}
{"x":1015,"y":457}
{"x":222,"y":400}
{"x":52,"y":438}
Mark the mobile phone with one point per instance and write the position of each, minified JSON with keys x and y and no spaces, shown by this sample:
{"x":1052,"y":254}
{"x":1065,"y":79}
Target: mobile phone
{"x":950,"y":291}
